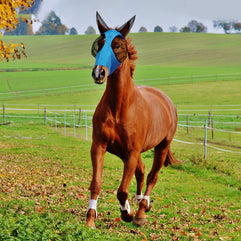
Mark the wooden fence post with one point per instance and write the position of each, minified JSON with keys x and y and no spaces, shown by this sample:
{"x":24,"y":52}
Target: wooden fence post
{"x":74,"y":122}
{"x":45,"y":116}
{"x":3,"y":114}
{"x":56,"y":125}
{"x":79,"y":117}
{"x":187,"y":125}
{"x":205,"y":140}
{"x":86,"y":127}
{"x":209,"y":118}
{"x":212,"y":129}
{"x":64,"y":123}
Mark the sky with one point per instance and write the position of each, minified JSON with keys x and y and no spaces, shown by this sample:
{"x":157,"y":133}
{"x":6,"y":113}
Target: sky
{"x":149,"y":13}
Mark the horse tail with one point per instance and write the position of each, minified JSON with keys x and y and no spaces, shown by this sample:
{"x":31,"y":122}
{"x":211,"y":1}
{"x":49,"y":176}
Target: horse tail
{"x":170,"y":159}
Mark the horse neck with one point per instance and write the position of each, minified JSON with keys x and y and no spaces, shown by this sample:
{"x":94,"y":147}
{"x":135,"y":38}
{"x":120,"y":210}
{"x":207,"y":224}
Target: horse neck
{"x":120,"y":89}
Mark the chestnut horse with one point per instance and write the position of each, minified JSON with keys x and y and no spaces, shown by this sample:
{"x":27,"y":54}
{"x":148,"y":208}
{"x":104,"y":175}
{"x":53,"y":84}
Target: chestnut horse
{"x":128,"y":120}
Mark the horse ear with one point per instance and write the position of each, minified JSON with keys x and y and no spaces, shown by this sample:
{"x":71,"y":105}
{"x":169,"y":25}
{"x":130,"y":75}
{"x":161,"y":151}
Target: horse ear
{"x":101,"y":24}
{"x":126,"y":28}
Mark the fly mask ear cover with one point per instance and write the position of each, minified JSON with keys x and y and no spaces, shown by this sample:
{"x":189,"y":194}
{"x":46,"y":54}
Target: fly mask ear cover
{"x":106,"y":56}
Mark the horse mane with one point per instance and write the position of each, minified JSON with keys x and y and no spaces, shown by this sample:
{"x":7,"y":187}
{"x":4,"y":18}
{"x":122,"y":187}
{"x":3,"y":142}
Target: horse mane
{"x":132,"y":54}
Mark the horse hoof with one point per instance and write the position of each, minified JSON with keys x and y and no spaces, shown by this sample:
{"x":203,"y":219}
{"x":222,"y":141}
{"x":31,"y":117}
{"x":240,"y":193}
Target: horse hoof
{"x":139,"y":221}
{"x":127,"y":217}
{"x":90,"y":225}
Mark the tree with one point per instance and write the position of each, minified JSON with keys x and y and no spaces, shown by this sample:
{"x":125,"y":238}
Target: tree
{"x":185,"y":30}
{"x":158,"y":29}
{"x":24,"y":28}
{"x":237,"y":26}
{"x":194,"y":27}
{"x":225,"y":25}
{"x":73,"y":31}
{"x":33,"y":9}
{"x":173,"y":29}
{"x":52,"y":25}
{"x":9,"y":21}
{"x":90,"y":30}
{"x":142,"y":30}
{"x":197,"y":27}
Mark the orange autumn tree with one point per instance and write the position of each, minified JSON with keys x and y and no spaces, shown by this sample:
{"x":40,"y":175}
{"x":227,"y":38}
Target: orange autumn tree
{"x":9,"y":21}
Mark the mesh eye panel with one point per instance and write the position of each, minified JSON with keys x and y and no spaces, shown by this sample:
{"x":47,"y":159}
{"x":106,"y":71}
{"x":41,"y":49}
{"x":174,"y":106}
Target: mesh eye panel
{"x":122,"y":55}
{"x":97,"y":46}
{"x":99,"y":43}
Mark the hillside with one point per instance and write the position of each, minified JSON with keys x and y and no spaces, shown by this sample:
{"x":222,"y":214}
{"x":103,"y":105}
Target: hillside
{"x":161,"y":56}
{"x":162,"y":49}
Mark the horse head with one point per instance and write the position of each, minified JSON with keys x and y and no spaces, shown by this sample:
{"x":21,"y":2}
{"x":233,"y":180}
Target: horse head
{"x":110,"y":49}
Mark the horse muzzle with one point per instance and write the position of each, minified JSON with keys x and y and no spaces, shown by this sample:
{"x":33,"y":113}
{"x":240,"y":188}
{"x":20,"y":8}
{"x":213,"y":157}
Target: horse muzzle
{"x":100,"y":74}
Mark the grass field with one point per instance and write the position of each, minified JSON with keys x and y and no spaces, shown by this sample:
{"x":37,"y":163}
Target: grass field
{"x":44,"y":192}
{"x":45,"y":174}
{"x":161,"y":55}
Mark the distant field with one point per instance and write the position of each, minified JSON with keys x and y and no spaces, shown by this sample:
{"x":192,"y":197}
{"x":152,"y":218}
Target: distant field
{"x":162,"y":49}
{"x":161,"y":55}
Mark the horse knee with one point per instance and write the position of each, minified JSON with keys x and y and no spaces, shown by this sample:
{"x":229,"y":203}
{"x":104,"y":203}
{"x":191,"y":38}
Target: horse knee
{"x":95,"y":187}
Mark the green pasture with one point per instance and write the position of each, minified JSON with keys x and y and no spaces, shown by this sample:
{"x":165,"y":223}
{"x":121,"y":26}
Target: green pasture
{"x":44,"y":192}
{"x":161,"y":55}
{"x":45,"y":172}
{"x":159,"y":49}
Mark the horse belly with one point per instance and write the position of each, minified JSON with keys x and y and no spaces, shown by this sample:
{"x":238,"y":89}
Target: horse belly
{"x":157,"y":131}
{"x":162,"y":118}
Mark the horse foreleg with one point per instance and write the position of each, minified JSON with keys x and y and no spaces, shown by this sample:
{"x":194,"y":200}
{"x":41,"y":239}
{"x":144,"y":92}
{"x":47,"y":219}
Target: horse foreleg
{"x":122,"y":193}
{"x":144,"y":206}
{"x":139,"y":173}
{"x":97,"y":157}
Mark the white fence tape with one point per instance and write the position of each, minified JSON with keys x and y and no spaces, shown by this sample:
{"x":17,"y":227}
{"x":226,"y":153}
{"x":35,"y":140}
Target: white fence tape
{"x":231,"y":132}
{"x":220,"y":149}
{"x":202,"y":144}
{"x":187,"y":142}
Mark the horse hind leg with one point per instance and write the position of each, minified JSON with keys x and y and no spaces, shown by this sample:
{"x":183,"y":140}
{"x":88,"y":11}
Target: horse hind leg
{"x":160,"y":156}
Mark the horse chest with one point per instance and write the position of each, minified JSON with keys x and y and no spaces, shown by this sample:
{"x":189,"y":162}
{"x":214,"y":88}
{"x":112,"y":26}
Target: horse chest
{"x":119,"y":137}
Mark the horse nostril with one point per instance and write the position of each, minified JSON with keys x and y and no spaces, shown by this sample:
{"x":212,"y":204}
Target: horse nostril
{"x":102,"y":73}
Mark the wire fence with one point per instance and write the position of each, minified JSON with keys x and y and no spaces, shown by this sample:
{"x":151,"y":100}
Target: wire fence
{"x":71,"y":120}
{"x":91,"y":87}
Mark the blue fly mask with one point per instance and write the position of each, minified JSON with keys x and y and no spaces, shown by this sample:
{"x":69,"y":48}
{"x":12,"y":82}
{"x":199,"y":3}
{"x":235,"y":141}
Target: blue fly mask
{"x":104,"y":54}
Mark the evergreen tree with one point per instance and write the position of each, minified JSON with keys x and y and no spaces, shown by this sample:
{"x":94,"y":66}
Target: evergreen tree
{"x":142,"y":30}
{"x":73,"y":31}
{"x":158,"y":29}
{"x":90,"y":30}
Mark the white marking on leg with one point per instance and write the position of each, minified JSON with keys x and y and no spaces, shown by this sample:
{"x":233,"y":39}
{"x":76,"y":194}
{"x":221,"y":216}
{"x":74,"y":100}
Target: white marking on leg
{"x":93,"y":205}
{"x":138,"y":198}
{"x":126,"y":207}
{"x":147,"y":198}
